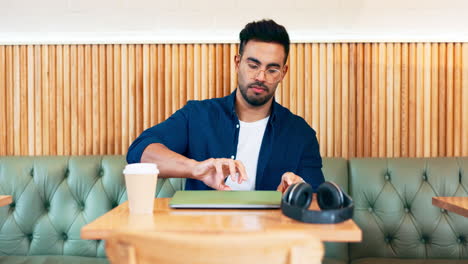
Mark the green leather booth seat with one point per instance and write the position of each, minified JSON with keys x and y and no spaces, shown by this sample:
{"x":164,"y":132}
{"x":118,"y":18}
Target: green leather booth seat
{"x":55,"y":196}
{"x":393,"y":207}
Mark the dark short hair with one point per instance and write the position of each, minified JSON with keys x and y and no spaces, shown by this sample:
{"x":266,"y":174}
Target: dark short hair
{"x":265,"y":30}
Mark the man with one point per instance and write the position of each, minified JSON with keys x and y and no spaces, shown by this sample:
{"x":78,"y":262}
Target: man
{"x":243,"y":141}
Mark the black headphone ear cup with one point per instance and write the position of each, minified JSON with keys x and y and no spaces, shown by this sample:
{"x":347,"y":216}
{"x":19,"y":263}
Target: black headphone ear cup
{"x":330,"y":196}
{"x":300,"y":195}
{"x":287,"y":194}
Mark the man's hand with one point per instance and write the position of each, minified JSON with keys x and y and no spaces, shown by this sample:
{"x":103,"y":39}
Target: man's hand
{"x":213,"y":172}
{"x":287,"y":180}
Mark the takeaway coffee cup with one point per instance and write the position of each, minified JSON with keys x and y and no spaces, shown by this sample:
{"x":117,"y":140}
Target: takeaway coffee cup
{"x":140,"y":180}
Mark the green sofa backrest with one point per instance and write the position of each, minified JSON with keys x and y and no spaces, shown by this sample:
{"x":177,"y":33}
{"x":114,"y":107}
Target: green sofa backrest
{"x":393,"y":207}
{"x":54,"y":197}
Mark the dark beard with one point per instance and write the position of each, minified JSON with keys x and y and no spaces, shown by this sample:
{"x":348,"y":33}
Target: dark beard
{"x":255,"y":101}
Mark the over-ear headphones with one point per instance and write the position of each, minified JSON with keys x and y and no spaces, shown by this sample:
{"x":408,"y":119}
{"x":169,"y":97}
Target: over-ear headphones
{"x":336,"y":205}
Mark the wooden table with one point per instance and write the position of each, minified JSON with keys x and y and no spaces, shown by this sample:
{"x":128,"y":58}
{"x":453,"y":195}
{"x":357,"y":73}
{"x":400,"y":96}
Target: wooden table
{"x":5,"y":200}
{"x":213,"y":220}
{"x":458,"y":205}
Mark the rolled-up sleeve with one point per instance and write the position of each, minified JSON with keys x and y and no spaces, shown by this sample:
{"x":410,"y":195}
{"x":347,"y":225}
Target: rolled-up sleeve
{"x":172,"y":133}
{"x":310,"y":166}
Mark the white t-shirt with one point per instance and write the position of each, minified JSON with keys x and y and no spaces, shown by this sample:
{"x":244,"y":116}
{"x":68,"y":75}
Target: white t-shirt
{"x":248,"y":150}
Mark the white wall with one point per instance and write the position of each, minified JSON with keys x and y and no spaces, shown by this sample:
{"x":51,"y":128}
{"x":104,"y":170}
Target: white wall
{"x":193,"y":21}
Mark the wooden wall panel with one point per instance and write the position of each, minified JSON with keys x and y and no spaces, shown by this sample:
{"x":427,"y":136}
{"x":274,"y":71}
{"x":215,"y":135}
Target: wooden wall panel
{"x":3,"y":104}
{"x":363,"y":99}
{"x":464,"y":100}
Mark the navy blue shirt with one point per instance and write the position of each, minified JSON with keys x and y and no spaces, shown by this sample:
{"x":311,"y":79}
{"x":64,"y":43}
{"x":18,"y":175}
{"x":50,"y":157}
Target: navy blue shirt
{"x":210,"y":129}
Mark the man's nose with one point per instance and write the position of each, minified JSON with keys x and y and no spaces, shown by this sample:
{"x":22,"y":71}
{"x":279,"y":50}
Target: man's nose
{"x":260,"y":76}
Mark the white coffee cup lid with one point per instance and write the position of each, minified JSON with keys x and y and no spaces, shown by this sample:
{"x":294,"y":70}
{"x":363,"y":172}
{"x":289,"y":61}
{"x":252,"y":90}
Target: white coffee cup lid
{"x":141,"y":168}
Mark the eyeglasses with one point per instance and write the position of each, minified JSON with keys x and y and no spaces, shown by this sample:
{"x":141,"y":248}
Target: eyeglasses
{"x":272,"y":74}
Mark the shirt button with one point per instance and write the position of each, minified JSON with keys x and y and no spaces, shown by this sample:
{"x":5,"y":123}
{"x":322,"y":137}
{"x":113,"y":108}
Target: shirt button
{"x":232,"y":157}
{"x":237,"y":126}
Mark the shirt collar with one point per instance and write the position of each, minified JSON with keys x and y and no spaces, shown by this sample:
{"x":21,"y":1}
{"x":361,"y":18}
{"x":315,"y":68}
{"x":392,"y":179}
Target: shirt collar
{"x":231,"y":104}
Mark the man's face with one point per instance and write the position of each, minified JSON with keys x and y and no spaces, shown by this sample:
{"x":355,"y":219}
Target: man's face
{"x":260,"y":69}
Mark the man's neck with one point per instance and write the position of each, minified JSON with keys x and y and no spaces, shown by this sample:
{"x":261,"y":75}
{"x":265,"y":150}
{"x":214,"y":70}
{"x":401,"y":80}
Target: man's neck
{"x":249,"y":113}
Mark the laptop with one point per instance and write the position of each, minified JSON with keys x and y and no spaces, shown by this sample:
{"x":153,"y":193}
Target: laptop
{"x":226,"y":199}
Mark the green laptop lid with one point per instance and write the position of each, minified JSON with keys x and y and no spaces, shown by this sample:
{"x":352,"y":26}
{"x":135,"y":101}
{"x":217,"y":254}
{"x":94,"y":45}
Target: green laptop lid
{"x":226,"y":199}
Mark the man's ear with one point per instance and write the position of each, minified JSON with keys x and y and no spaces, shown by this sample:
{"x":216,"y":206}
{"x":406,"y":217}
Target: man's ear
{"x":284,"y":71}
{"x":237,"y":59}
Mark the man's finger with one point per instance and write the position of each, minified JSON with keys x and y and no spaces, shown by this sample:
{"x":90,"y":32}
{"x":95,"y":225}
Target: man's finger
{"x":288,"y":178}
{"x":242,"y":171}
{"x":280,"y":187}
{"x":224,"y":187}
{"x":219,"y":169}
{"x":232,"y":169}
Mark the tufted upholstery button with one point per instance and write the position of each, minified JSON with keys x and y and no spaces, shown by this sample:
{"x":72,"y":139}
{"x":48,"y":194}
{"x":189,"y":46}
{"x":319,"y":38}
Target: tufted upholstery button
{"x":370,"y":209}
{"x":388,"y":239}
{"x":442,"y":210}
{"x":424,"y":239}
{"x":67,"y":173}
{"x":387,"y":176}
{"x":460,"y":239}
{"x":13,"y":204}
{"x":407,"y":210}
{"x":114,"y":204}
{"x":47,"y":206}
{"x":424,"y":176}
{"x":81,"y":206}
{"x":101,"y":172}
{"x":31,"y":173}
{"x":64,"y":236}
{"x":30,"y":237}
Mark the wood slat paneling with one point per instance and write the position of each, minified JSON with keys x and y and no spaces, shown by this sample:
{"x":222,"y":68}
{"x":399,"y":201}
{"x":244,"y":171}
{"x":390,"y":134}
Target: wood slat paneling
{"x":17,"y":100}
{"x":457,"y":103}
{"x":66,"y":102}
{"x":363,"y":99}
{"x":396,"y":97}
{"x":450,"y":95}
{"x":464,"y":100}
{"x":109,"y":96}
{"x":3,"y":104}
{"x":442,"y":92}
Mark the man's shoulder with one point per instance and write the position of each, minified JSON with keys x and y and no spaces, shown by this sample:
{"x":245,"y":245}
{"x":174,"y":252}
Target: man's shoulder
{"x":296,"y":123}
{"x":206,"y":104}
